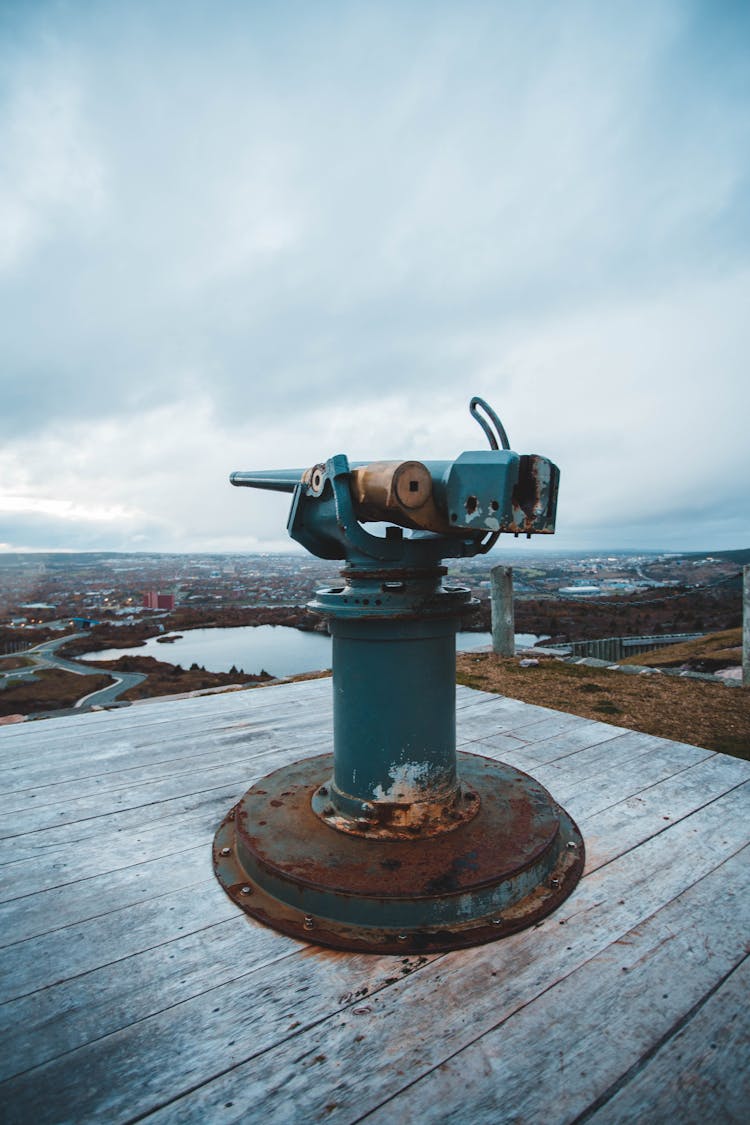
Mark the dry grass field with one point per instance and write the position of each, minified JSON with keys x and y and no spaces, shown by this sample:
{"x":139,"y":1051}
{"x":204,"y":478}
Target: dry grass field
{"x":697,"y":712}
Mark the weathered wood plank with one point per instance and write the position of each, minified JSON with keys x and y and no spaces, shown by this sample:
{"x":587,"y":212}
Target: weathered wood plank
{"x":209,"y":803}
{"x":79,"y":948}
{"x":79,"y":862}
{"x":699,"y":789}
{"x":700,"y":1074}
{"x":260,"y":1006}
{"x":697,"y":784}
{"x":54,"y":908}
{"x":72,"y":763}
{"x":561,"y":775}
{"x":38,"y":1026}
{"x":51,"y":910}
{"x":604,"y":773}
{"x":102,"y":762}
{"x":582,"y":737}
{"x":630,"y":996}
{"x":59,"y":1017}
{"x":69,"y":801}
{"x":556,"y":724}
{"x":135,"y":984}
{"x":62,"y":805}
{"x":624,"y":752}
{"x":193,"y":1043}
{"x":505,"y":746}
{"x":601,"y":790}
{"x":413,"y":1025}
{"x":158,"y":713}
{"x":581,"y":762}
{"x":468,"y":699}
{"x":653,"y":810}
{"x":66,"y":797}
{"x":503,"y":718}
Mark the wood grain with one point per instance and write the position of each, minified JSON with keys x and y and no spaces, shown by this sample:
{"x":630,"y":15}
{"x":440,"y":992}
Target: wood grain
{"x":133,"y":987}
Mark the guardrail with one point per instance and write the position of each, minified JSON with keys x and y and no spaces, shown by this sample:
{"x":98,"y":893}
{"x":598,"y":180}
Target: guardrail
{"x":617,"y":648}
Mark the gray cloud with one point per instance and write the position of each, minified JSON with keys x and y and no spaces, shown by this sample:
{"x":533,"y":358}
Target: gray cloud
{"x":225,"y":227}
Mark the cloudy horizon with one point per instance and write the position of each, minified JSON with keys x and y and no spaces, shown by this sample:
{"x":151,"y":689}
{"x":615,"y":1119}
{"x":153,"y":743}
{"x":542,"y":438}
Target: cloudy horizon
{"x":241,"y":236}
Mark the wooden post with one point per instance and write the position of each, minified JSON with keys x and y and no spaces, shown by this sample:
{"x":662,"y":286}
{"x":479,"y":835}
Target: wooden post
{"x":503,"y":627}
{"x":746,"y":627}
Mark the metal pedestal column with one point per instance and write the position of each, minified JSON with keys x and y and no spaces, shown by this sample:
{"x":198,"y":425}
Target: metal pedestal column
{"x":395,"y":842}
{"x":394,"y":710}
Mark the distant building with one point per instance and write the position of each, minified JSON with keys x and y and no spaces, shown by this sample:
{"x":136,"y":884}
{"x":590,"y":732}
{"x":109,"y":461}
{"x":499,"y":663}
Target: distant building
{"x":154,"y":600}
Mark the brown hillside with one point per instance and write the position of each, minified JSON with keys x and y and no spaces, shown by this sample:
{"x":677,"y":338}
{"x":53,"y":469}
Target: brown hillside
{"x":700,"y":713}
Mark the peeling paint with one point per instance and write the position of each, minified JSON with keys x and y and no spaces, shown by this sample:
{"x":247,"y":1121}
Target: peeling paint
{"x":410,"y":779}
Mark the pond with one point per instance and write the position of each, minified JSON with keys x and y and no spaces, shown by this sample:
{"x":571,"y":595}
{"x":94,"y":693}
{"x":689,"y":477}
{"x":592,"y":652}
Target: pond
{"x":277,"y":649}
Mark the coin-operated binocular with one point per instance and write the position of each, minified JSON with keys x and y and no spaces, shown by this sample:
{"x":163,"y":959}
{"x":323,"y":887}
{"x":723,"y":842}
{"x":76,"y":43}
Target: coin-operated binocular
{"x":394,"y":841}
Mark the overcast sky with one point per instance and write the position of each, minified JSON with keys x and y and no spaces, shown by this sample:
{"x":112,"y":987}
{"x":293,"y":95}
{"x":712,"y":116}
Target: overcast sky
{"x":247,"y":235}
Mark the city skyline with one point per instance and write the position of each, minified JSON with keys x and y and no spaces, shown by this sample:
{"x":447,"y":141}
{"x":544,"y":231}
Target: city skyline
{"x":239,"y":236}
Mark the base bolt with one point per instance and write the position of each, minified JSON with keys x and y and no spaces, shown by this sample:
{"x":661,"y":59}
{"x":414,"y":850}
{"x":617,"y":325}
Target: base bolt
{"x":554,"y":882}
{"x":225,"y":851}
{"x":246,"y":890}
{"x":497,"y":921}
{"x":572,"y":845}
{"x":308,"y":923}
{"x":400,"y":937}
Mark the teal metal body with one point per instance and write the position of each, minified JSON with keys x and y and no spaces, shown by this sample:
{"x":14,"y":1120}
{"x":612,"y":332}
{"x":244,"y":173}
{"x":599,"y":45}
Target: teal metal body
{"x":394,"y":721}
{"x":394,"y":781}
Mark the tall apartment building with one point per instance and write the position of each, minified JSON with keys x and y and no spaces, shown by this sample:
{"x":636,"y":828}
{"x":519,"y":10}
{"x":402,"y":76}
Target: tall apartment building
{"x":154,"y":600}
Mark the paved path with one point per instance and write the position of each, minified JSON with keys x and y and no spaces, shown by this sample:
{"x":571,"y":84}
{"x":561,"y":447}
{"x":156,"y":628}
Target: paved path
{"x":45,"y":655}
{"x":124,"y":681}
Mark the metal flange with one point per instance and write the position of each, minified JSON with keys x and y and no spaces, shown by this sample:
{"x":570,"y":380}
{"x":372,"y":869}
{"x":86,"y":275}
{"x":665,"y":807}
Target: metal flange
{"x":506,"y":868}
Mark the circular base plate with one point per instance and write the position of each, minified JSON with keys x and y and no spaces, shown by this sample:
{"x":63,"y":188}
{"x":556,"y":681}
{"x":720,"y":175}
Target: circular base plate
{"x":512,"y":864}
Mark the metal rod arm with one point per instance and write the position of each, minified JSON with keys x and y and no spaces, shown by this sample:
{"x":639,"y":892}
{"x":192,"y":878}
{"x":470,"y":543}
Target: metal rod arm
{"x":274,"y":480}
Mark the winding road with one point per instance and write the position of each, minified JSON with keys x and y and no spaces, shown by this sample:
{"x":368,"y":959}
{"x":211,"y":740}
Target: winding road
{"x":44,"y":655}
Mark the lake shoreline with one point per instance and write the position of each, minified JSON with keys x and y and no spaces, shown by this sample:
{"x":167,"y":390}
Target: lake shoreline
{"x":277,"y":650}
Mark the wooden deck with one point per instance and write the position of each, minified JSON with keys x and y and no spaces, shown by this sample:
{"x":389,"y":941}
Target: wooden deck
{"x":132,"y":987}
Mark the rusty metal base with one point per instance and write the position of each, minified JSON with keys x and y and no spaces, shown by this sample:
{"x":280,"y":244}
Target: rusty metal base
{"x":514,"y":863}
